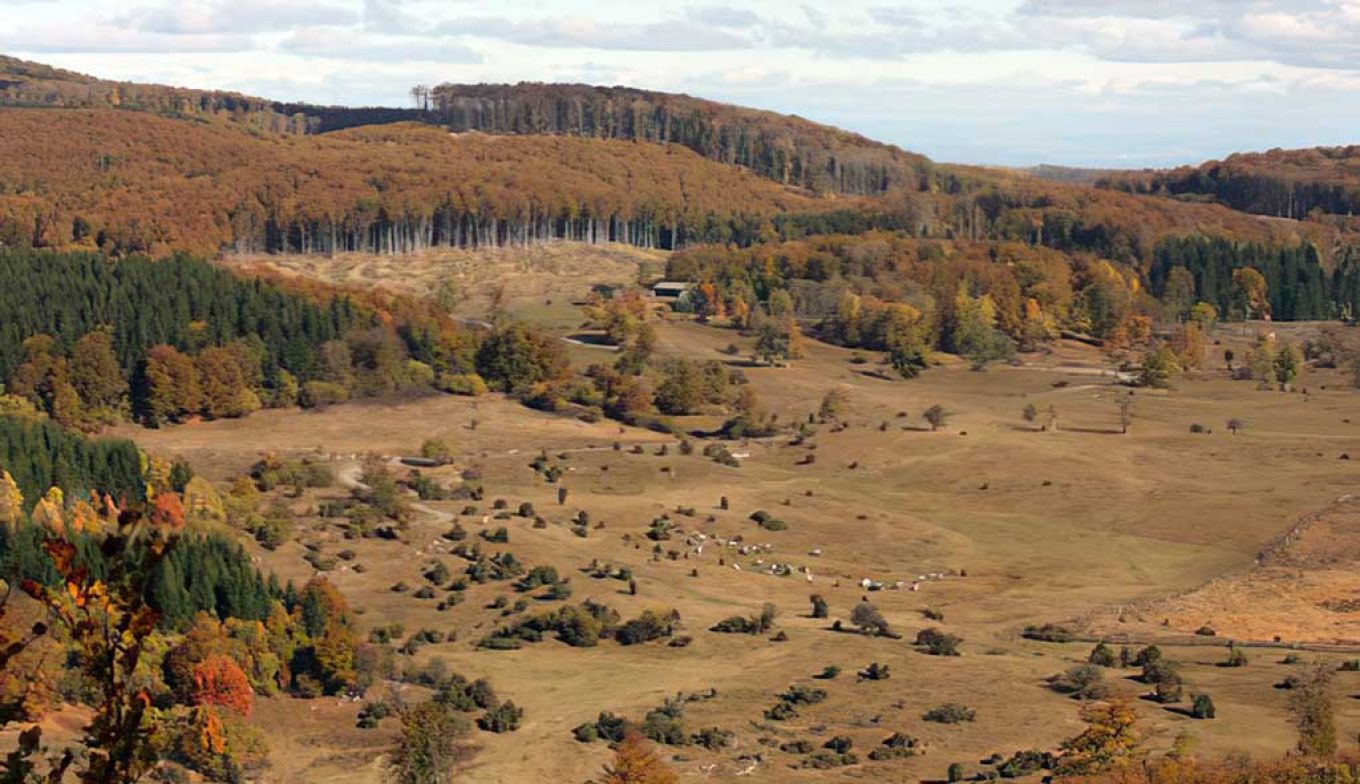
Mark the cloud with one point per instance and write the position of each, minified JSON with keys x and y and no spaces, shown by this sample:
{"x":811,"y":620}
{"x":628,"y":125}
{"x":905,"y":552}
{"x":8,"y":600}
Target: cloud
{"x":680,"y":35}
{"x":388,"y":16}
{"x":234,"y":16}
{"x":116,"y":40}
{"x":327,"y":42}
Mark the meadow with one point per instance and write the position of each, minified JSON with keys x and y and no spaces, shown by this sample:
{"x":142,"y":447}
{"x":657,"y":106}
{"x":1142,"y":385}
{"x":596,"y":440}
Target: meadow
{"x":991,"y":524}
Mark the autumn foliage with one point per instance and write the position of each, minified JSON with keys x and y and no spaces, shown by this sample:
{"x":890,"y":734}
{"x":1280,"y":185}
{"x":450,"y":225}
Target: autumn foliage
{"x":636,"y":762}
{"x":218,"y":681}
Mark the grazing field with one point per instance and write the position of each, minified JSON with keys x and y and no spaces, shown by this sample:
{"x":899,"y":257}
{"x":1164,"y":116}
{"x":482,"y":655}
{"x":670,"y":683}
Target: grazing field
{"x":989,"y":521}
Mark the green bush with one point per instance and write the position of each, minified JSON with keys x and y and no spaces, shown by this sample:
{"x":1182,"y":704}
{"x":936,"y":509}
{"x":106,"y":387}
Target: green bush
{"x":950,"y":713}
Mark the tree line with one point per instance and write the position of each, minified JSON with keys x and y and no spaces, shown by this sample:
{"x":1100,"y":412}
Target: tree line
{"x":93,"y":340}
{"x":1297,"y":286}
{"x":1298,"y":184}
{"x":41,"y":454}
{"x":787,"y":149}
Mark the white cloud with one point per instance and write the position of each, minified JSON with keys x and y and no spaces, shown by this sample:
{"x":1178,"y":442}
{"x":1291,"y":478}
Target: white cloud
{"x":327,"y":42}
{"x":235,"y":16}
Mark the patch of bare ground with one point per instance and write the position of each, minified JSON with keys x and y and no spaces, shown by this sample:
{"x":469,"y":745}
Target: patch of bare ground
{"x":1303,"y":589}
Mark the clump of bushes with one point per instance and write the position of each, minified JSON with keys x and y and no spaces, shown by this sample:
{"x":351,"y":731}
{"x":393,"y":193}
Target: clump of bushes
{"x":1048,"y":632}
{"x":755,"y":624}
{"x":1026,"y":763}
{"x":950,"y":713}
{"x":768,"y":521}
{"x":504,"y":717}
{"x":938,"y":643}
{"x":896,"y":746}
{"x":1083,"y":682}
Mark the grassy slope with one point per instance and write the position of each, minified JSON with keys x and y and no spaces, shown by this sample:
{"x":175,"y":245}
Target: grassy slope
{"x":1125,"y":518}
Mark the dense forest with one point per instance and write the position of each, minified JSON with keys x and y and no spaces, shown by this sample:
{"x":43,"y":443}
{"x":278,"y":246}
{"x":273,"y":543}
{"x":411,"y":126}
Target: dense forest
{"x":1299,"y":184}
{"x":207,"y":573}
{"x":93,"y":340}
{"x":88,"y":340}
{"x":29,"y":84}
{"x":1297,"y":286}
{"x":128,"y":183}
{"x":787,"y":149}
{"x":124,"y":183}
{"x":42,"y":454}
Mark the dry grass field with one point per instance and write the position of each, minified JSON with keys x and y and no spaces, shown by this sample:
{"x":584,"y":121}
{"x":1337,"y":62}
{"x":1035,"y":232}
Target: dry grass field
{"x":1084,"y":526}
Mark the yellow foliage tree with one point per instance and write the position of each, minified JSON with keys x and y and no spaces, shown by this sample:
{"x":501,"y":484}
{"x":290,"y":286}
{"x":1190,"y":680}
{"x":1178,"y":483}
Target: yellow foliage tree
{"x":636,"y":763}
{"x":1110,"y":740}
{"x":11,"y":501}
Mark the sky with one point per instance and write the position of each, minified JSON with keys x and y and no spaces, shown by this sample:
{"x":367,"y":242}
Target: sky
{"x":1106,"y":83}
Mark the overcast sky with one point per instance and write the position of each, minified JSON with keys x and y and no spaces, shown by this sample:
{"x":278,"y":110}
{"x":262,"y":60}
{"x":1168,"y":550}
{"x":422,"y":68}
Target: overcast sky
{"x":1078,"y":82}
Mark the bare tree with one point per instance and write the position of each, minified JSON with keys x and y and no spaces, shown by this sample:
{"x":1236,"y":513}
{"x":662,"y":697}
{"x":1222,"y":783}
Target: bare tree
{"x":420,"y":95}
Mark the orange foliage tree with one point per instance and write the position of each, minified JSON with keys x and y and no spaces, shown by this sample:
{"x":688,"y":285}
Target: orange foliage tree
{"x":219,"y":681}
{"x":635,"y":762}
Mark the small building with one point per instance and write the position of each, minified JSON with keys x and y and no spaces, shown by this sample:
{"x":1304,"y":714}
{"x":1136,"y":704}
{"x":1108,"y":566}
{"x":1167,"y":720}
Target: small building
{"x":670,"y":289}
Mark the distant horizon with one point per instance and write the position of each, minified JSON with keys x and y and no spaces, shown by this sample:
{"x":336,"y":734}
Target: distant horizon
{"x":1121,"y":84}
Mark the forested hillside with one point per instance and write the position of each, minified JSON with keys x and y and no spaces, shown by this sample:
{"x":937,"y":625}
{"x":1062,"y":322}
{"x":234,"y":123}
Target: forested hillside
{"x":783,"y":148}
{"x":39,"y":455}
{"x":89,"y":340}
{"x":126,"y":183}
{"x":1299,"y":184}
{"x":29,"y":84}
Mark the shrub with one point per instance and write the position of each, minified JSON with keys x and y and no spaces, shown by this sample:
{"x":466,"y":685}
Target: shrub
{"x":869,"y":619}
{"x":713,"y":738}
{"x":936,"y":416}
{"x":438,"y":574}
{"x":606,"y":726}
{"x":436,"y":449}
{"x":1147,"y":656}
{"x":1049,"y":632}
{"x":839,"y":744}
{"x":819,"y":606}
{"x":1103,"y":656}
{"x":822,"y":760}
{"x":1083,"y":682}
{"x":1025,"y":763}
{"x":828,"y":672}
{"x":469,"y":384}
{"x":950,"y":713}
{"x":650,"y":625}
{"x":1202,"y":707}
{"x":803,"y":695}
{"x":321,"y":394}
{"x":665,"y":724}
{"x":1236,"y":657}
{"x":797,"y":747}
{"x":938,"y":643}
{"x":502,"y":718}
{"x":737,"y":624}
{"x":874,"y":672}
{"x":896,"y":746}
